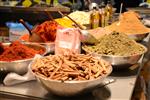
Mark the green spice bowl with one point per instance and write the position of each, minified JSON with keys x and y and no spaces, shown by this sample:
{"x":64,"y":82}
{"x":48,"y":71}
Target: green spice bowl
{"x":138,"y":37}
{"x":120,"y":62}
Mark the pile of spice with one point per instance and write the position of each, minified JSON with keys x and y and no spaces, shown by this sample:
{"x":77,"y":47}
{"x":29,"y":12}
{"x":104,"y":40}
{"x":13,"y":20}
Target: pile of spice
{"x":64,"y":22}
{"x":118,"y":44}
{"x":80,"y":17}
{"x":18,"y":51}
{"x":46,"y":30}
{"x":129,"y":23}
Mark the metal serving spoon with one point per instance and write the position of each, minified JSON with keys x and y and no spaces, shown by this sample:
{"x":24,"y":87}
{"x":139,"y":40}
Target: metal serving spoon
{"x":33,"y":36}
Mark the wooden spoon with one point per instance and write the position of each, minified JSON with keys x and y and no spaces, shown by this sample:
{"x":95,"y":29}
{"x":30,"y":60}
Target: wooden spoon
{"x":24,"y":24}
{"x":33,"y":36}
{"x":49,"y":15}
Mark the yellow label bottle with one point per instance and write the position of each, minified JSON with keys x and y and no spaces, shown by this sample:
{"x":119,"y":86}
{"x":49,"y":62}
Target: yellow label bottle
{"x":94,"y":18}
{"x":102,"y":14}
{"x":108,"y":12}
{"x":102,"y":17}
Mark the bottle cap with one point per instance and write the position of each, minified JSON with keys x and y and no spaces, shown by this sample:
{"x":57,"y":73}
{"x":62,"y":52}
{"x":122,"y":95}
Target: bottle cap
{"x":93,"y":6}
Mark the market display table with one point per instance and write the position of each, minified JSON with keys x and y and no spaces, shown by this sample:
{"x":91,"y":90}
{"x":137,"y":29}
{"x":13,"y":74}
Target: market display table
{"x":120,"y":89}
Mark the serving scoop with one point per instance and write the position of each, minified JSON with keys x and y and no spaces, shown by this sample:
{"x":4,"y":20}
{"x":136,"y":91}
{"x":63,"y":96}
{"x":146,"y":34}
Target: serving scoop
{"x":33,"y":37}
{"x":87,"y":37}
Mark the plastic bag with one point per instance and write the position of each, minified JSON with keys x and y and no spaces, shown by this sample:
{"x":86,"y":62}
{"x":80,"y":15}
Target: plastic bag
{"x":67,"y":40}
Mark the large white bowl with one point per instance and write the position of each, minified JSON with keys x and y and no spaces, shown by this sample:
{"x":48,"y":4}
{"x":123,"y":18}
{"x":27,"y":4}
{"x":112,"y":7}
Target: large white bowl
{"x":70,"y":88}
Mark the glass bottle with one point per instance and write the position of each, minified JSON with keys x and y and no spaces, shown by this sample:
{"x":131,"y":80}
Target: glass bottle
{"x":94,"y":18}
{"x":108,"y":12}
{"x":102,"y":14}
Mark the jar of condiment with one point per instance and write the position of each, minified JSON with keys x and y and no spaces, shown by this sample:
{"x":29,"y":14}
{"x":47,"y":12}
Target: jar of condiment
{"x":94,"y":18}
{"x":102,"y":14}
{"x":108,"y":12}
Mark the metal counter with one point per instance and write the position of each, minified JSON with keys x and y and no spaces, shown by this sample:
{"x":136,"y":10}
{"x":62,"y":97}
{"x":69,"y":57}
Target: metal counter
{"x":121,"y":89}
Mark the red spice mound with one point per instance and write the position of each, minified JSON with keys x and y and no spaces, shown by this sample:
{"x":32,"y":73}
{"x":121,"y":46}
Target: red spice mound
{"x":46,"y":30}
{"x":18,"y":51}
{"x":24,"y":37}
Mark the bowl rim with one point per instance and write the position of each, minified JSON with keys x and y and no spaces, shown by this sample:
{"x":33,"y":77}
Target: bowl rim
{"x":71,"y":82}
{"x":17,"y":61}
{"x":118,"y":56}
{"x":41,"y":43}
{"x":137,"y":34}
{"x":109,"y":69}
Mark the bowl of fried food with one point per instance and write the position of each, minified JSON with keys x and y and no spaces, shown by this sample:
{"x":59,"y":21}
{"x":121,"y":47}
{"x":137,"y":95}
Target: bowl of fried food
{"x":118,"y":49}
{"x":16,"y":56}
{"x":68,"y":75}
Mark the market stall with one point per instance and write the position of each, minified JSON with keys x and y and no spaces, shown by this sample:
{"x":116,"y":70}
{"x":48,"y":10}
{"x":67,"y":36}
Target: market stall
{"x":95,"y":54}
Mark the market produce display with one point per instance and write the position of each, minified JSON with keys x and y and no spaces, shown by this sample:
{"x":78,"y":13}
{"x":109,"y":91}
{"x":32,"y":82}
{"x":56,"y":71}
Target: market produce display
{"x":99,"y":32}
{"x":116,"y":44}
{"x":18,"y":51}
{"x":68,"y":72}
{"x":64,"y":22}
{"x":46,"y":30}
{"x":73,"y":67}
{"x":81,"y":17}
{"x":129,"y":23}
